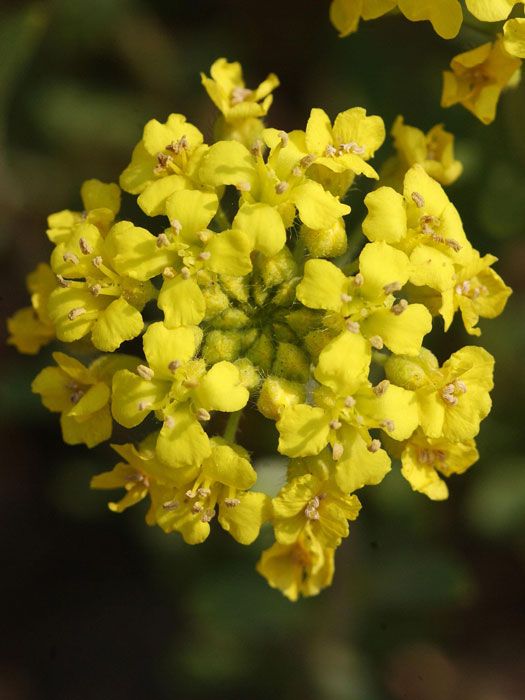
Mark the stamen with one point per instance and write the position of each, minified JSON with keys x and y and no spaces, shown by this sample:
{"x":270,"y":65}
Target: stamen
{"x":239,"y":94}
{"x":346,"y":298}
{"x":392,"y":287}
{"x":374,"y":446}
{"x":84,"y":246}
{"x":461,"y":386}
{"x":376,"y":342}
{"x":205,"y":255}
{"x":197,"y":507}
{"x":398,"y":308}
{"x":297,"y":172}
{"x":162,"y":241}
{"x":307,"y":161}
{"x":244,"y":186}
{"x":145,"y":406}
{"x":96,"y":289}
{"x":388,"y":424}
{"x":203,"y":492}
{"x":330,"y":151}
{"x":350,"y":402}
{"x":418,"y":199}
{"x":208,"y":515}
{"x":453,"y":244}
{"x":174,"y":366}
{"x":191,"y":383}
{"x":75,"y":313}
{"x":70,"y":257}
{"x":176,"y":226}
{"x":169,"y":422}
{"x":202,"y":414}
{"x":168,"y":273}
{"x":185,"y":273}
{"x":97,"y":261}
{"x":359,"y":280}
{"x":256,"y":149}
{"x":76,"y":396}
{"x":204,"y":236}
{"x":284,"y":138}
{"x":231,"y":502}
{"x":337,"y":451}
{"x":145,"y":372}
{"x":170,"y":505}
{"x":62,"y":282}
{"x":380,"y":388}
{"x":190,"y":494}
{"x":335,"y":424}
{"x":281,"y":187}
{"x":353,"y":326}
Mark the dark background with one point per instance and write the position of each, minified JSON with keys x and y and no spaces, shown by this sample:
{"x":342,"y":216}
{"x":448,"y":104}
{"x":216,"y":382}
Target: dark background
{"x":427,"y":601}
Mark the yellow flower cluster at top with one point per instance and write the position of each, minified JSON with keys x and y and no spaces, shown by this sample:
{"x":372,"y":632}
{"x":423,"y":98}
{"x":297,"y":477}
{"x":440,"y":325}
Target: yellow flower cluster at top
{"x":241,"y":295}
{"x":478,"y":76}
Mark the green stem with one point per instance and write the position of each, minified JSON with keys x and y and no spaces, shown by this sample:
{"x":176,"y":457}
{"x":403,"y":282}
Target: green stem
{"x":232,"y":425}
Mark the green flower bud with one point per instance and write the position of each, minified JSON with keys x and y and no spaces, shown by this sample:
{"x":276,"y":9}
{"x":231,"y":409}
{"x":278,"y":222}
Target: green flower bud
{"x":304,"y":320}
{"x":411,"y":372}
{"x":216,"y":301}
{"x":232,"y":318}
{"x":262,"y":352}
{"x":222,"y":345}
{"x":236,"y":288}
{"x":247,"y":131}
{"x":291,"y":362}
{"x":250,"y":378}
{"x":276,"y":394}
{"x":277,"y":269}
{"x":315,"y":341}
{"x":328,"y":243}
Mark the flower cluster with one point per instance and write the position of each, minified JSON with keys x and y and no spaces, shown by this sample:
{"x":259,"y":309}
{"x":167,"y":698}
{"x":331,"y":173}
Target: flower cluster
{"x":478,"y":76}
{"x":241,"y":296}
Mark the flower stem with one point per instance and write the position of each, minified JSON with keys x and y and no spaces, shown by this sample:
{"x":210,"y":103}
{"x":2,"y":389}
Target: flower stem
{"x":232,"y":425}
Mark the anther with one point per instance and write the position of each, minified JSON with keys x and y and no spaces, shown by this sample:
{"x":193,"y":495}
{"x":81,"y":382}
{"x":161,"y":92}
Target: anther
{"x":244,"y":186}
{"x":168,"y":273}
{"x":353,"y":326}
{"x":453,"y":244}
{"x":96,"y":261}
{"x":376,"y":342}
{"x":461,"y":386}
{"x":284,"y":138}
{"x":330,"y":151}
{"x":145,"y":372}
{"x":169,"y":422}
{"x":176,"y":226}
{"x":281,"y":187}
{"x":256,"y":149}
{"x":359,"y":280}
{"x":62,"y":282}
{"x":191,"y":383}
{"x":208,"y":515}
{"x":346,"y":298}
{"x":76,"y":396}
{"x":96,"y":289}
{"x":145,"y":406}
{"x":418,"y":199}
{"x":205,"y":255}
{"x":162,"y":241}
{"x":84,"y":246}
{"x":197,"y":507}
{"x":170,"y":505}
{"x":174,"y":366}
{"x":203,"y":236}
{"x":239,"y":94}
{"x":335,"y":424}
{"x":307,"y":161}
{"x":185,"y":273}
{"x":374,"y":446}
{"x":388,"y":424}
{"x":392,"y":287}
{"x":203,"y":492}
{"x":337,"y":451}
{"x":190,"y":494}
{"x":202,"y":414}
{"x":75,"y":313}
{"x":356,"y":149}
{"x":297,"y":172}
{"x":398,"y":308}
{"x":70,"y":257}
{"x":350,"y":402}
{"x":231,"y":502}
{"x":380,"y":388}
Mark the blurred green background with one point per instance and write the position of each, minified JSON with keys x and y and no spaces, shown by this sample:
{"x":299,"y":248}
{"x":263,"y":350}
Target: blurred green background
{"x":427,"y":602}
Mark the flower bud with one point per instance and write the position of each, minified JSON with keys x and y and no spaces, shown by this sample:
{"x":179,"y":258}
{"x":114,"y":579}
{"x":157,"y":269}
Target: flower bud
{"x":276,"y":394}
{"x":291,"y":362}
{"x":328,"y":243}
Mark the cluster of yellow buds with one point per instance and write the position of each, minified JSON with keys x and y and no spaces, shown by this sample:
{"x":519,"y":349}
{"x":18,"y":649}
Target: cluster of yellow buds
{"x":230,"y":302}
{"x":478,"y":76}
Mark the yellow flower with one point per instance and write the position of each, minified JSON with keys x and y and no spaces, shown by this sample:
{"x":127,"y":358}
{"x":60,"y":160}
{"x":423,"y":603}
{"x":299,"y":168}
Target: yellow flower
{"x":313,"y":501}
{"x":365,"y":303}
{"x":92,"y":296}
{"x":446,"y":16}
{"x":491,"y":10}
{"x":81,"y":395}
{"x":423,"y":460}
{"x":478,"y":78}
{"x":31,"y":328}
{"x":164,"y":161}
{"x":477,"y":292}
{"x":228,"y":91}
{"x":301,"y":568}
{"x":433,"y":150}
{"x":452,"y":400}
{"x":101,"y":203}
{"x":514,"y":37}
{"x":220,"y":482}
{"x":279,"y":183}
